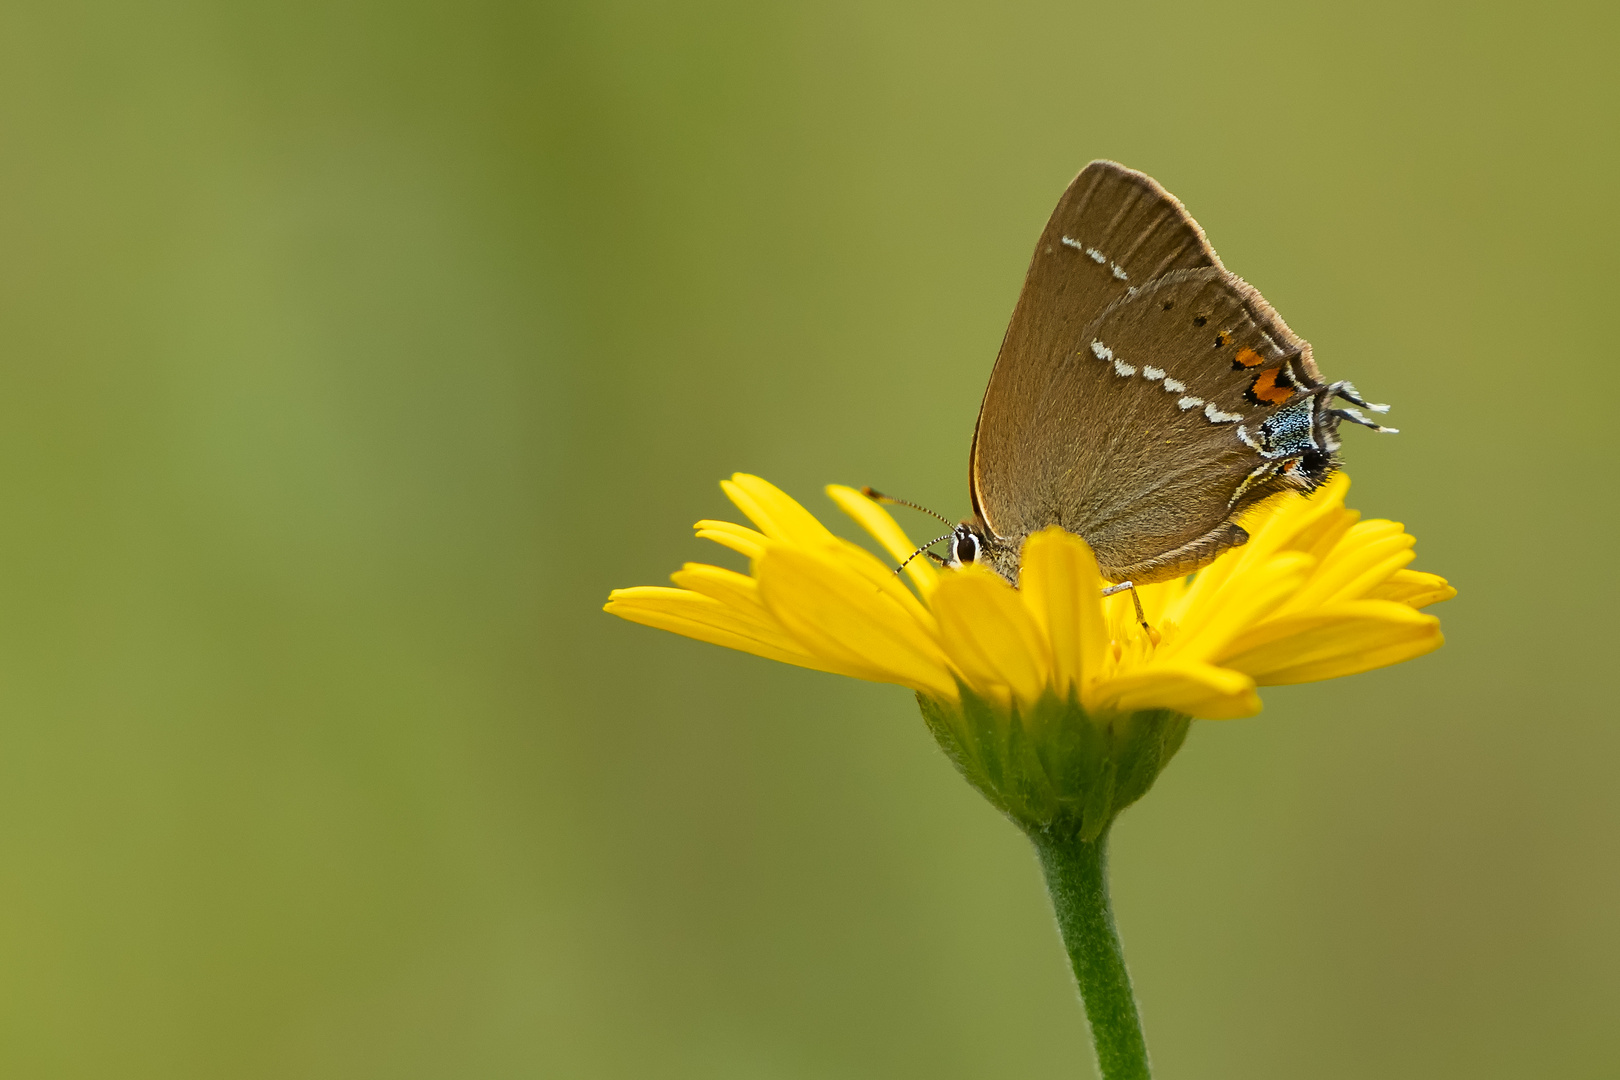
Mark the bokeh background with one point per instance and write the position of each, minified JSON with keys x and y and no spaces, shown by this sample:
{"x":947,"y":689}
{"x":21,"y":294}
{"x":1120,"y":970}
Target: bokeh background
{"x":353,"y":351}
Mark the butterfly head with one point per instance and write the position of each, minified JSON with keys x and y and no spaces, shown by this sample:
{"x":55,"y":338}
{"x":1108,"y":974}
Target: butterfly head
{"x":965,"y":545}
{"x":973,"y":542}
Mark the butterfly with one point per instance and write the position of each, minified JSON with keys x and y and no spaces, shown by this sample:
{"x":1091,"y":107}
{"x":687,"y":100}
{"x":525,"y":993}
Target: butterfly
{"x":1144,"y":396}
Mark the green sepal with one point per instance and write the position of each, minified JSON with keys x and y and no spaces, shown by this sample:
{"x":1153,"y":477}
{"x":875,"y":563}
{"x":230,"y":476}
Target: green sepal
{"x":1053,"y":768}
{"x":1099,"y":809}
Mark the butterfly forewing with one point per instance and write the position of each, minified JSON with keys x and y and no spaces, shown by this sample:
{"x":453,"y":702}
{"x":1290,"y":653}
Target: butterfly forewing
{"x":1114,"y":230}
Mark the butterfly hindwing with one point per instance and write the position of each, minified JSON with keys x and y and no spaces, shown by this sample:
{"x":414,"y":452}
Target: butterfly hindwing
{"x":1181,"y":372}
{"x":1147,"y":428}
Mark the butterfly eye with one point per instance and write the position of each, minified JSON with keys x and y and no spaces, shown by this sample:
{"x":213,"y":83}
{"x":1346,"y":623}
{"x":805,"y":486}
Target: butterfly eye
{"x":967,"y":546}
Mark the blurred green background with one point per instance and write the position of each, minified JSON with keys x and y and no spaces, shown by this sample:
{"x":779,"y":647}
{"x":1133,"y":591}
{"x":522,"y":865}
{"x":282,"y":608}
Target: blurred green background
{"x":353,"y":351}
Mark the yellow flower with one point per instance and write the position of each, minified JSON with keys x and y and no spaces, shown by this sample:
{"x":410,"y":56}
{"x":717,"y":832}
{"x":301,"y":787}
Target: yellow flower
{"x":1051,"y":699}
{"x":1314,"y":594}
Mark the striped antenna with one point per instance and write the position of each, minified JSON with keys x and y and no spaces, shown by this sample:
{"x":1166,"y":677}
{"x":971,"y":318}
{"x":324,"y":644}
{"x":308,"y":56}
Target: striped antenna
{"x":924,"y":548}
{"x":879,"y":497}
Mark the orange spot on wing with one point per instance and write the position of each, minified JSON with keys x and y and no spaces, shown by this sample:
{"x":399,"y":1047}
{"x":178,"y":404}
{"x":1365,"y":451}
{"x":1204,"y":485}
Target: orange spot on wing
{"x":1249,"y":358}
{"x":1266,"y":389}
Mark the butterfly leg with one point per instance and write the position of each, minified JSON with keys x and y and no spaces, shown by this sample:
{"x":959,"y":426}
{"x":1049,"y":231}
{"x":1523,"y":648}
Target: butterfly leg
{"x":1141,"y":616}
{"x":1355,"y":417}
{"x":1349,"y":393}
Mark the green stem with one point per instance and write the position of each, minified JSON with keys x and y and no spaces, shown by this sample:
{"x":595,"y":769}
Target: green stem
{"x":1077,"y":878}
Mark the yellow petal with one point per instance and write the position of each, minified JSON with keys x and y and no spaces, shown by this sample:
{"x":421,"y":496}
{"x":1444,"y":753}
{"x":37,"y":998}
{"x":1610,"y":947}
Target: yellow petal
{"x":883,"y":528}
{"x":1199,"y":690}
{"x":1213,"y":618}
{"x":987,"y":633}
{"x":737,"y":591}
{"x":784,"y":520}
{"x":1419,"y":643}
{"x":706,"y":619}
{"x":1414,"y":588}
{"x":1371,"y":577}
{"x":1062,"y":588}
{"x":1285,"y":522}
{"x":1340,"y":639}
{"x":836,"y":614}
{"x":738,"y":538}
{"x":1382,"y":545}
{"x":1161,"y":599}
{"x":776,"y":514}
{"x":1314,"y":594}
{"x":1212,"y":579}
{"x":883,"y":578}
{"x":1323,"y":535}
{"x":1303,"y":522}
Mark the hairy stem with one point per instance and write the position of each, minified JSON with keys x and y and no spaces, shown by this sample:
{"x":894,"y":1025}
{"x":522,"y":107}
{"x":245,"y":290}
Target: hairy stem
{"x":1077,"y":878}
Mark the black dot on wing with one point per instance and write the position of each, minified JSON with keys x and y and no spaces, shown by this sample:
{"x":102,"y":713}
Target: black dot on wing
{"x":1168,"y":304}
{"x":1200,"y":320}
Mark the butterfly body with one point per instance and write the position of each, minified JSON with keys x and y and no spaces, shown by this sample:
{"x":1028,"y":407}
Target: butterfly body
{"x":1144,"y":397}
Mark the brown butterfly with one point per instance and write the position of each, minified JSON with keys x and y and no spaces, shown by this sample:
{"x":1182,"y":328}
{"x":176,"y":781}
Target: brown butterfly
{"x":1144,"y":397}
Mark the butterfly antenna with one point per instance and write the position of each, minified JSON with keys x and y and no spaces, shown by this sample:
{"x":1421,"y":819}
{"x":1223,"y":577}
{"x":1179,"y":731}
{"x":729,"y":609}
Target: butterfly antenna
{"x":879,"y":497}
{"x":922,"y":549}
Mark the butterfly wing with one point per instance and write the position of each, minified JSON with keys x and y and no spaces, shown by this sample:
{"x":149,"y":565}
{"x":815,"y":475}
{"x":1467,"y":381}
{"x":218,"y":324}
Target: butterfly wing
{"x":1178,"y":407}
{"x":1113,"y":230}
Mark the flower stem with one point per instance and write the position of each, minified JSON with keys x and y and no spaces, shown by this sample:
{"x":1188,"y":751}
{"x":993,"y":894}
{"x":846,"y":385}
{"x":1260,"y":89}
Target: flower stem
{"x":1077,"y":877}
